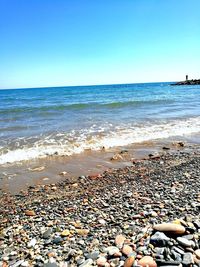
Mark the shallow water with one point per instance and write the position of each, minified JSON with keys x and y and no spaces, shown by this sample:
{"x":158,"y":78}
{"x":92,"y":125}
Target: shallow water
{"x":38,"y":122}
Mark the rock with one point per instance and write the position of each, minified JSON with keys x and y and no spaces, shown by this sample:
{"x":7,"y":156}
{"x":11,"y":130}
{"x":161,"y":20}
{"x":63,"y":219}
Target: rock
{"x":18,"y":263}
{"x":65,"y":233}
{"x":87,"y":263}
{"x":30,"y":212}
{"x":47,"y":233}
{"x":101,"y":261}
{"x":187,"y":259}
{"x":147,"y":261}
{"x":112,"y":250}
{"x":64,"y":173}
{"x":127,"y":250}
{"x":32,"y":243}
{"x":51,"y":264}
{"x":129,"y":261}
{"x":163,"y":263}
{"x":82,"y":232}
{"x":119,"y":241}
{"x":185,"y":242}
{"x":159,"y":239}
{"x":165,"y":148}
{"x":94,"y":255}
{"x":57,"y":240}
{"x":37,"y":169}
{"x":102,"y":221}
{"x":117,"y":157}
{"x":197,"y":253}
{"x":171,"y":228}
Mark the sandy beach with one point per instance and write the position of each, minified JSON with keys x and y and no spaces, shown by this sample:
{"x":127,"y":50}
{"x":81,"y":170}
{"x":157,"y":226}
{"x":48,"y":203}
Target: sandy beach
{"x":108,"y":219}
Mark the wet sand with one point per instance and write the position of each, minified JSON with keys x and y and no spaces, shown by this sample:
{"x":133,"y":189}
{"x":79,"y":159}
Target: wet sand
{"x":19,"y":176}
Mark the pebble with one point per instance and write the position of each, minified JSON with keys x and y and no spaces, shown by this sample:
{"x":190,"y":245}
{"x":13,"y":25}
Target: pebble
{"x":111,"y":221}
{"x":127,"y":250}
{"x":185,"y":242}
{"x":170,"y":228}
{"x":47,"y":233}
{"x":159,"y":239}
{"x":187,"y":259}
{"x":129,"y":261}
{"x":87,"y":263}
{"x":147,"y":261}
{"x":32,"y":243}
{"x":101,"y":261}
{"x":197,"y":253}
{"x":112,"y":250}
{"x":119,"y":240}
{"x":30,"y":212}
{"x":65,"y":233}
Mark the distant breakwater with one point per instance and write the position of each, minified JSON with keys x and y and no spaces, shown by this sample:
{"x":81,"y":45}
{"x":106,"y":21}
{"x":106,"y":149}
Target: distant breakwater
{"x":188,"y":82}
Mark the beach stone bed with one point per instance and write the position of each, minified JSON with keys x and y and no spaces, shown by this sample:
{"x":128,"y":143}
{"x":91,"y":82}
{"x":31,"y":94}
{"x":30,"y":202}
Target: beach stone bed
{"x":143,"y":215}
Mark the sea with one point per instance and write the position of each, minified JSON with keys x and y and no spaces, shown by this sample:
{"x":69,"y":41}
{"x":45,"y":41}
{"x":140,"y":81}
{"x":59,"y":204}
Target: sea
{"x":42,"y":122}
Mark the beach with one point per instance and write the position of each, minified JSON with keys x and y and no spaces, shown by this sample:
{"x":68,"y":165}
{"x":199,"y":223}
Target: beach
{"x":92,"y":176}
{"x":108,"y":219}
{"x":77,"y":130}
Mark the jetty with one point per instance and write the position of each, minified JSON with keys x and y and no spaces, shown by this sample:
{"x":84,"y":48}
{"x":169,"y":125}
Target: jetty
{"x":188,"y":82}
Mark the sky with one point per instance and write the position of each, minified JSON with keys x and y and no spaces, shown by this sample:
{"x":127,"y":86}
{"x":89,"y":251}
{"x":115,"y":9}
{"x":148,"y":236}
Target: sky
{"x":84,"y":42}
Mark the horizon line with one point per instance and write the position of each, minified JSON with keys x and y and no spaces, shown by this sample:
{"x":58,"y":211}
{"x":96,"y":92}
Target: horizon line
{"x":84,"y":85}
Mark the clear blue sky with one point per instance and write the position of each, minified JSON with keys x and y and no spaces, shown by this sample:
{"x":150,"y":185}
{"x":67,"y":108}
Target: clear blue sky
{"x":79,"y":42}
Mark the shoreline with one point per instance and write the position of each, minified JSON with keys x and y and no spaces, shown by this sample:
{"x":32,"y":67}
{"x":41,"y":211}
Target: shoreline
{"x":53,"y":169}
{"x":76,"y":223}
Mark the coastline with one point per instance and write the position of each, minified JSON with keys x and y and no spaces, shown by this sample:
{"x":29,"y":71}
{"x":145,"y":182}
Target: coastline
{"x":53,"y":169}
{"x":75,"y":223}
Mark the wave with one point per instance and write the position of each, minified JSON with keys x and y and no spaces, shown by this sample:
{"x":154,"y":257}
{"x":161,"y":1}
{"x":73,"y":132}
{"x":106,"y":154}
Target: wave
{"x":15,"y":110}
{"x":76,"y":142}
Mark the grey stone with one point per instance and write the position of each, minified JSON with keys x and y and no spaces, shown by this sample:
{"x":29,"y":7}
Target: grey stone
{"x":112,"y":250}
{"x":47,"y":233}
{"x":187,"y":259}
{"x":51,"y":264}
{"x":185,"y":242}
{"x":94,"y":255}
{"x":87,"y":263}
{"x":57,"y":240}
{"x":159,"y":239}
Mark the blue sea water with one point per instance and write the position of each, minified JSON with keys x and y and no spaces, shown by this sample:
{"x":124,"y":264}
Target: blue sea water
{"x":38,"y":122}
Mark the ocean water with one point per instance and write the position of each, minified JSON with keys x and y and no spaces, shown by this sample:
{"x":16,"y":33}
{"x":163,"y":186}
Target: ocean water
{"x":38,"y":122}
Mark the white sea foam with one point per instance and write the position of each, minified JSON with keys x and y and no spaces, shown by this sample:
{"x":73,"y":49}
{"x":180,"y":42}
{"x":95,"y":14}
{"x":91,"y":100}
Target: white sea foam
{"x":74,"y":143}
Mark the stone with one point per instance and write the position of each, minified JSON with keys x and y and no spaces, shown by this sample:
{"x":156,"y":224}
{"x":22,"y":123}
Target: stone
{"x":197,"y":253}
{"x":129,"y":261}
{"x":93,"y":255}
{"x":185,"y":242}
{"x":147,"y":261}
{"x":51,"y":264}
{"x":57,"y":240}
{"x":30,"y":212}
{"x":47,"y":233}
{"x":32,"y":243}
{"x":101,"y":261}
{"x":187,"y":259}
{"x":159,"y":239}
{"x":18,"y":263}
{"x":65,"y":233}
{"x":87,"y":263}
{"x":127,"y":250}
{"x":102,"y":221}
{"x":64,"y":173}
{"x":112,"y":250}
{"x":82,"y":232}
{"x":171,"y":228}
{"x":119,"y":240}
